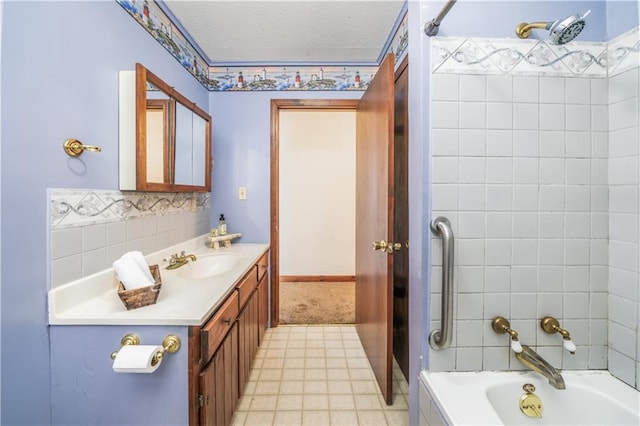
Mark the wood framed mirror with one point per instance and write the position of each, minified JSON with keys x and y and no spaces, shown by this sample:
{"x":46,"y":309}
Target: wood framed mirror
{"x":172,"y":145}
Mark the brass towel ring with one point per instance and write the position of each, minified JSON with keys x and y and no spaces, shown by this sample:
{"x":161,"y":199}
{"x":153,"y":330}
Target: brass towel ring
{"x":74,"y":147}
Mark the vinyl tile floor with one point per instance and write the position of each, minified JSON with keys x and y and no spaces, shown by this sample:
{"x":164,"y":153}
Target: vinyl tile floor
{"x":317,"y":375}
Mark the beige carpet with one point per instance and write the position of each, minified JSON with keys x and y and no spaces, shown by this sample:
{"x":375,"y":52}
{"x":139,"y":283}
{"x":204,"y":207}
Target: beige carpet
{"x":317,"y":303}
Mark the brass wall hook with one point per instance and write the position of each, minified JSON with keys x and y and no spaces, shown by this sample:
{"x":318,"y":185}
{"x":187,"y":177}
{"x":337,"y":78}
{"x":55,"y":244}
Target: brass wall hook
{"x":74,"y":148}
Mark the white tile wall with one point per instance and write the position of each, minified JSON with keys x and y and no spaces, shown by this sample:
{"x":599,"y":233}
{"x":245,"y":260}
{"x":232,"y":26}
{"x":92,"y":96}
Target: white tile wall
{"x":81,"y":246}
{"x":522,"y":186}
{"x":623,"y":255}
{"x":539,"y":176}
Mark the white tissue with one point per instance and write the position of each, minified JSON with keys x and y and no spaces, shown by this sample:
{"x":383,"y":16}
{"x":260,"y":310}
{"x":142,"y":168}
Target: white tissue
{"x":136,"y":359}
{"x":131,"y":273}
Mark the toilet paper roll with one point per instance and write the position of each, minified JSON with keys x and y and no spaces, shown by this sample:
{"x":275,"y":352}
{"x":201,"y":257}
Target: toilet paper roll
{"x":136,"y":359}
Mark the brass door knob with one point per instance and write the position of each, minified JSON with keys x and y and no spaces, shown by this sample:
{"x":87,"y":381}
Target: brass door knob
{"x":380,"y":245}
{"x":385,"y":246}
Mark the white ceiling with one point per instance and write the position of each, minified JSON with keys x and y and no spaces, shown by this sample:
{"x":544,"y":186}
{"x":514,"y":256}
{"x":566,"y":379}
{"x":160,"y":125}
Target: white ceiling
{"x":277,"y":31}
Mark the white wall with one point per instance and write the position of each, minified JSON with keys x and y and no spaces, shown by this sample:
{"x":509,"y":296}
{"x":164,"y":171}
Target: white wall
{"x":317,"y":193}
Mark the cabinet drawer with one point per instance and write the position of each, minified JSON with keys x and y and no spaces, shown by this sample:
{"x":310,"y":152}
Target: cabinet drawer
{"x":217,"y":327}
{"x":263,"y":265}
{"x":246,"y":287}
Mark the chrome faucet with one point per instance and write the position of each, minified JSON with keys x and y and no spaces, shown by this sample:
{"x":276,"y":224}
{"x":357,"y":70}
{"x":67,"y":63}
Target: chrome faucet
{"x":531,"y":359}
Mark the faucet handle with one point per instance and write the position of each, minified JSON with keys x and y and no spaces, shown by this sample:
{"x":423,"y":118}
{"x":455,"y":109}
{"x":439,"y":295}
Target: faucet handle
{"x":551,"y":325}
{"x":501,"y":325}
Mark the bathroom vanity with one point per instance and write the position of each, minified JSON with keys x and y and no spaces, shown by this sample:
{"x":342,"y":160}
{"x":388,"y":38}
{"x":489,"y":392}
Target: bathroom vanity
{"x":220,"y":320}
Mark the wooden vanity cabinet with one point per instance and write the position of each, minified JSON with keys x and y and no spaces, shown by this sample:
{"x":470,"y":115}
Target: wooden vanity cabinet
{"x":222,"y":351}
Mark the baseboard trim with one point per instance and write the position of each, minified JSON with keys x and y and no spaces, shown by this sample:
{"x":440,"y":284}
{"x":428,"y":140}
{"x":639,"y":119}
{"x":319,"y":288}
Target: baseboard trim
{"x":317,"y":278}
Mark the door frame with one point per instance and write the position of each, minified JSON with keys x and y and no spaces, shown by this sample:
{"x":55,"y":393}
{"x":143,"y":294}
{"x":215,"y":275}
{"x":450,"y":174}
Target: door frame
{"x":276,"y":106}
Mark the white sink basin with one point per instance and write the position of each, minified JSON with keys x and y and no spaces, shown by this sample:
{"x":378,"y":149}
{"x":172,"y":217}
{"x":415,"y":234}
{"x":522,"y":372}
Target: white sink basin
{"x":209,"y":265}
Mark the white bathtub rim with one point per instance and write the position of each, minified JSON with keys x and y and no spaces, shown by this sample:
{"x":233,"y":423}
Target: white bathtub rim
{"x":483,"y":413}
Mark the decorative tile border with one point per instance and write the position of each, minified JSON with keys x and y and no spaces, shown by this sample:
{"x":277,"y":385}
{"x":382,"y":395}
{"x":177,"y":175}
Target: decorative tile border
{"x":518,"y":57}
{"x":624,"y":52}
{"x":242,"y":79}
{"x":535,"y":57}
{"x":81,"y":207}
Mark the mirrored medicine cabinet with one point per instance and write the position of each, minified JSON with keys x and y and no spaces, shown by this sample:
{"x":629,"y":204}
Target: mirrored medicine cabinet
{"x":165,"y":139}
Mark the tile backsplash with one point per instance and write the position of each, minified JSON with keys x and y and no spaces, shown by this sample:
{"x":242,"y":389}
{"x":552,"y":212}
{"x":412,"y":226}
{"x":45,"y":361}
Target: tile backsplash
{"x":536,"y":166}
{"x":89,"y":229}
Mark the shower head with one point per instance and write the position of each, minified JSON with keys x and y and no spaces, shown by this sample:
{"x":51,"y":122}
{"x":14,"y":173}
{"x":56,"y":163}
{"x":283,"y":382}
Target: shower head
{"x":560,"y":32}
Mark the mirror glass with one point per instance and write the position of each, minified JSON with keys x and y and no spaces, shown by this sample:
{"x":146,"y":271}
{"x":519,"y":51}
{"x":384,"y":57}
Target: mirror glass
{"x":173,"y":138}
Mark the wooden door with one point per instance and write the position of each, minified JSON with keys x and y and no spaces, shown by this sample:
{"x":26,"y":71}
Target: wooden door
{"x":401,"y":222}
{"x":374,"y":223}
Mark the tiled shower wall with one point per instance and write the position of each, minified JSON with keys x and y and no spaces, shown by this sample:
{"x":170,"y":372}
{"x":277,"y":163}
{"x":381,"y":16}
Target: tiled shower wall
{"x":624,"y":329}
{"x":538,"y":173}
{"x":520,"y":169}
{"x":90,"y":229}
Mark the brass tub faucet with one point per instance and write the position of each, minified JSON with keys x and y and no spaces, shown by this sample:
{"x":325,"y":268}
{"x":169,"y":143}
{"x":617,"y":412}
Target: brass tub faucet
{"x":177,"y":261}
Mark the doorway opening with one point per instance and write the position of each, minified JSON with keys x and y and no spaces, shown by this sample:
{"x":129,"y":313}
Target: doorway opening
{"x":317,"y":216}
{"x":281,"y":107}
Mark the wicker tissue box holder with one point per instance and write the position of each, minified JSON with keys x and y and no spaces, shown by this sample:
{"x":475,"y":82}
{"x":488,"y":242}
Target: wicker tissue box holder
{"x":143,"y":296}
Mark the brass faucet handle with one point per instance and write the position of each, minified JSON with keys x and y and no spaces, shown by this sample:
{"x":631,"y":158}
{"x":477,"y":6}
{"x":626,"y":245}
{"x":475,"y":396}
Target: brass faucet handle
{"x":551,"y":325}
{"x":501,"y":325}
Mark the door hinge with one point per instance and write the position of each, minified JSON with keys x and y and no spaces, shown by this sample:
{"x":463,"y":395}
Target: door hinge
{"x":200,"y":401}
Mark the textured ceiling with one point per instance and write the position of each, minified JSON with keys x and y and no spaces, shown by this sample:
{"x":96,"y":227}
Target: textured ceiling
{"x":302,"y":31}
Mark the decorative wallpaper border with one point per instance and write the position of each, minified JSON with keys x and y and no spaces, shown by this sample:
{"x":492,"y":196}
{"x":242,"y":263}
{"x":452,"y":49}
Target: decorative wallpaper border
{"x":400,"y":41}
{"x":241,"y":78}
{"x":282,"y":78}
{"x":164,"y":31}
{"x":81,"y":207}
{"x":535,"y":57}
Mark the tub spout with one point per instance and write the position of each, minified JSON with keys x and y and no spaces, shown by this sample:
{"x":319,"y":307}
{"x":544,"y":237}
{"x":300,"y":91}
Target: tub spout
{"x":531,"y":359}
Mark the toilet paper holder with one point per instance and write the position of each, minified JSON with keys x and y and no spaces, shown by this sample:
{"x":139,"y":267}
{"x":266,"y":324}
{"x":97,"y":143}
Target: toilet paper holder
{"x":170,"y":344}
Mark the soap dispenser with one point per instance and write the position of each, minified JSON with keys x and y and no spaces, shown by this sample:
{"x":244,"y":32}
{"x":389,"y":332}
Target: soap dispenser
{"x":222,"y":225}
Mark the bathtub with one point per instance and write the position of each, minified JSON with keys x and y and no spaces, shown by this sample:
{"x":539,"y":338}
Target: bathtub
{"x":491,"y":398}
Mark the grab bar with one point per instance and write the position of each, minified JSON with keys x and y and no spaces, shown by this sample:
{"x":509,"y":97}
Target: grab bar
{"x":431,"y":28}
{"x":441,"y":339}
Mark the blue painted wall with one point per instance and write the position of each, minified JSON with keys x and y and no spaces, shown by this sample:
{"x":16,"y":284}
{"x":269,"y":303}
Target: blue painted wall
{"x":473,"y":18}
{"x":60,"y":63}
{"x":59,"y":79}
{"x":622,"y":15}
{"x":241,"y":154}
{"x":85,"y":390}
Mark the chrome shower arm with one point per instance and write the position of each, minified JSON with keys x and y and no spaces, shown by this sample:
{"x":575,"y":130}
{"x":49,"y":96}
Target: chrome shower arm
{"x":432,"y":27}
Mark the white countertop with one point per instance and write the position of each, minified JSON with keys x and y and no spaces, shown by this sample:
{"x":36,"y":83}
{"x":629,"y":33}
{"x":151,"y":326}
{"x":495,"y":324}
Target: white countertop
{"x":93,"y":300}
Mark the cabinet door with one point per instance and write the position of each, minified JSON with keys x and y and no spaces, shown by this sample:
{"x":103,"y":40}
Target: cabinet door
{"x":243,"y":340}
{"x":230,"y":348}
{"x":211,"y":384}
{"x":263,"y":307}
{"x":219,"y":383}
{"x":208,"y":395}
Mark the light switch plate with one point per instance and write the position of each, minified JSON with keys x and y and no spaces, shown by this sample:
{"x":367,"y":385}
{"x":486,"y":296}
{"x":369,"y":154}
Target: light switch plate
{"x":242,"y":193}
